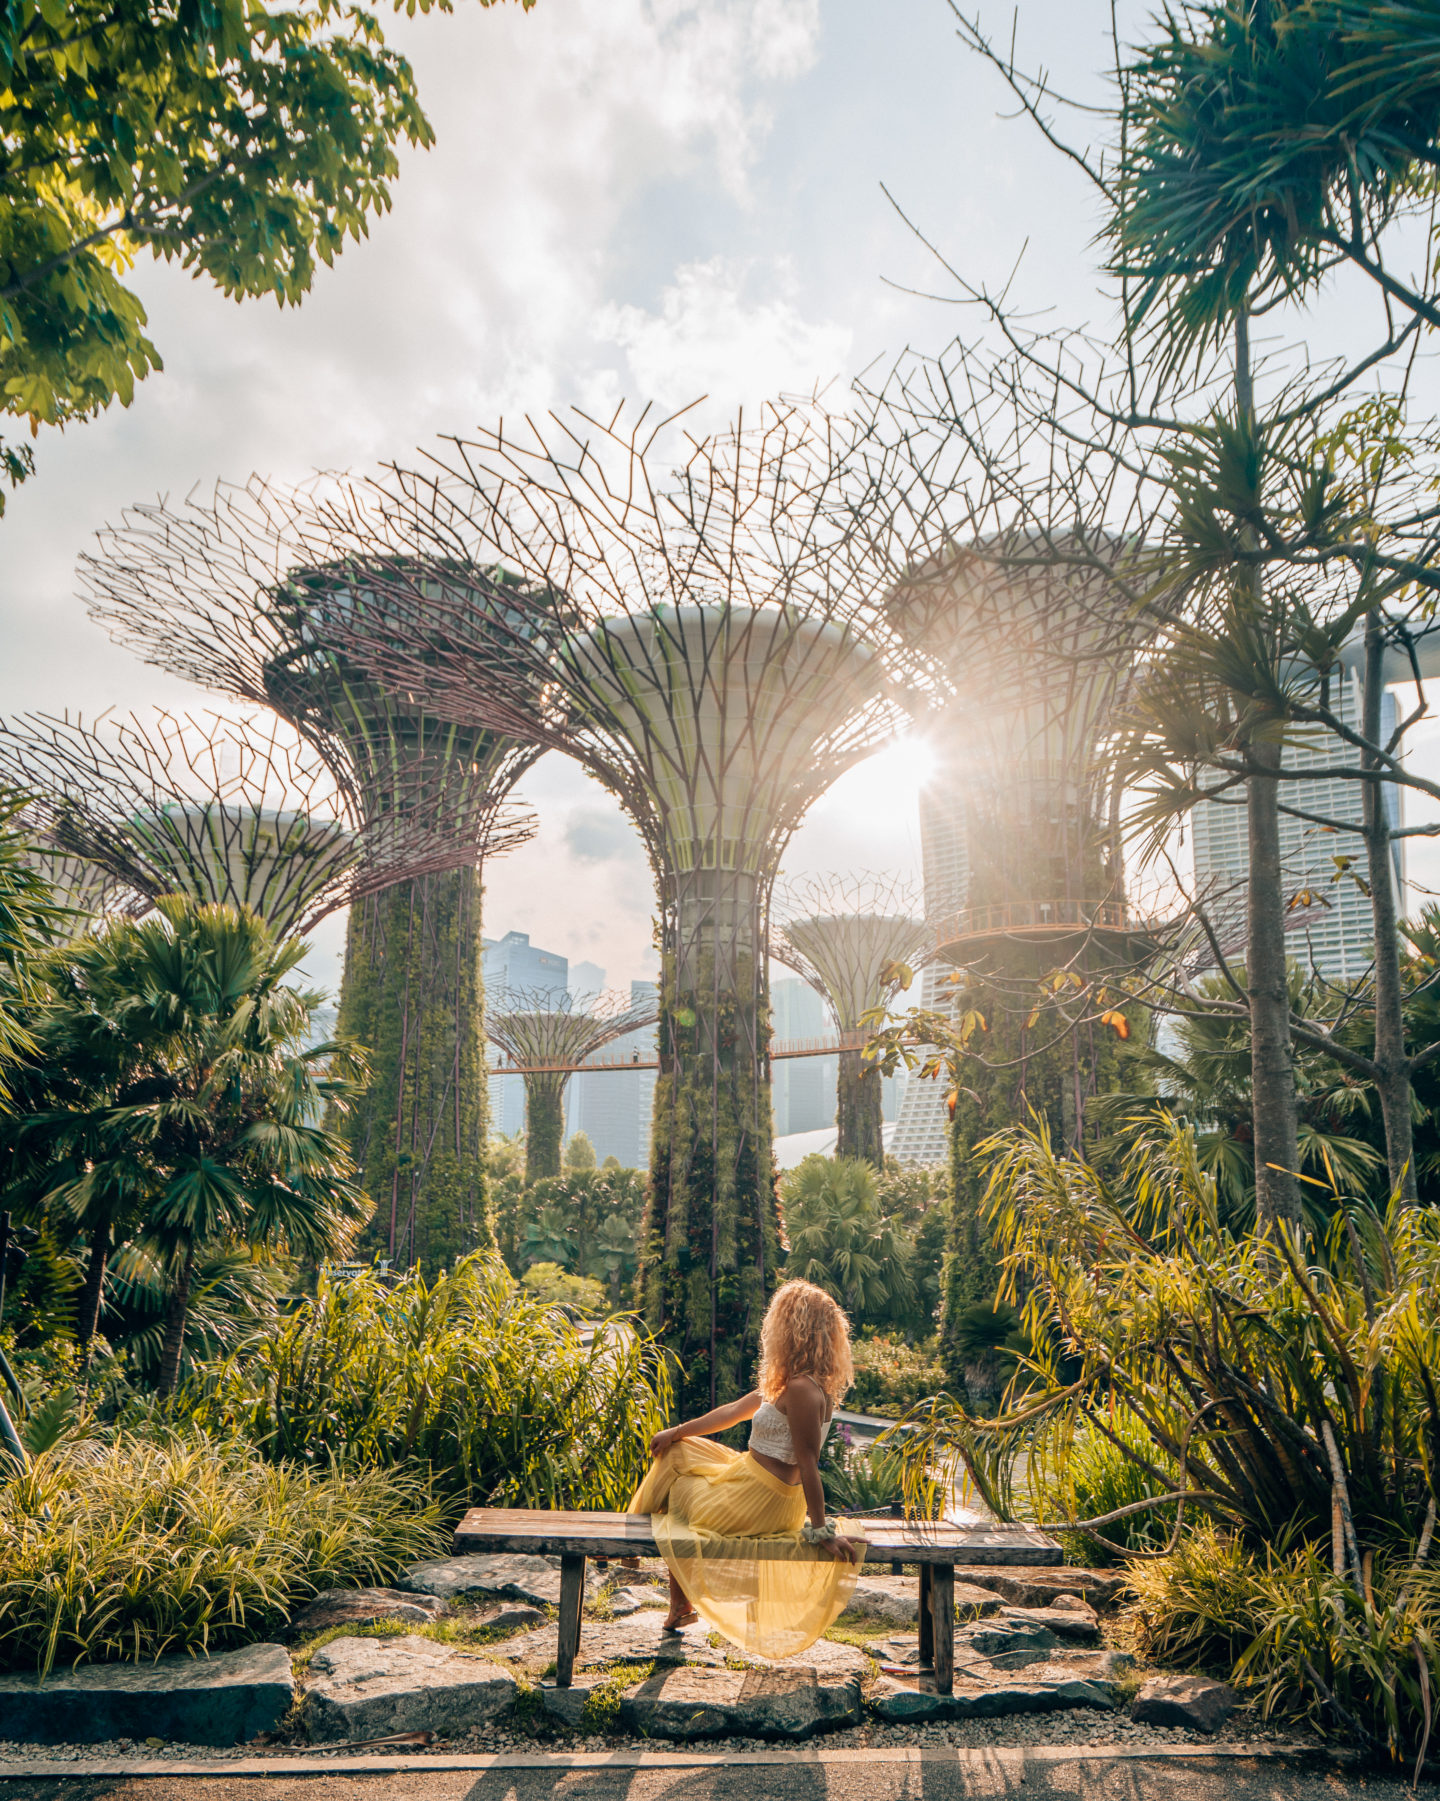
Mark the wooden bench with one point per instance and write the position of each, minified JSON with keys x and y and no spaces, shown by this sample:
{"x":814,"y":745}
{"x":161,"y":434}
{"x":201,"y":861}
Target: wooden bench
{"x":936,"y":1549}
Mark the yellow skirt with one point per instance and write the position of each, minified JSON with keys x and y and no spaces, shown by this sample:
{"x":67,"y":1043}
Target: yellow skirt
{"x":729,"y":1532}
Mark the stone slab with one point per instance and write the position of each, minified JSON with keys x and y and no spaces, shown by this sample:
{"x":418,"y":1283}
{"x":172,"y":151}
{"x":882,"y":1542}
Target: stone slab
{"x":510,"y":1577}
{"x":515,"y":1619}
{"x":1003,"y":1637}
{"x":636,"y":1595}
{"x":1192,"y":1701}
{"x":1038,"y":1586}
{"x":219,"y":1700}
{"x":1078,"y":1621}
{"x":640,"y":1639}
{"x":894,"y":1700}
{"x":371,"y":1687}
{"x":362,"y":1607}
{"x":786,"y":1701}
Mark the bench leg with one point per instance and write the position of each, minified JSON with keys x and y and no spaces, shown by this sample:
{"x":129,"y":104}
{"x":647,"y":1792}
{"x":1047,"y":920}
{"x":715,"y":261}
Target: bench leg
{"x":942,"y":1618}
{"x":927,"y":1633}
{"x":572,"y":1595}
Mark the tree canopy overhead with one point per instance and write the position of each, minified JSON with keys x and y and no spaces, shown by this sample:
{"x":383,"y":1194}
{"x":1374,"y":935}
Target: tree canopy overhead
{"x":245,"y":140}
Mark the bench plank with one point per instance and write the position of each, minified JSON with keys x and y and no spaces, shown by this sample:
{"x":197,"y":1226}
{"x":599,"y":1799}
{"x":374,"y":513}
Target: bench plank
{"x":597,"y":1534}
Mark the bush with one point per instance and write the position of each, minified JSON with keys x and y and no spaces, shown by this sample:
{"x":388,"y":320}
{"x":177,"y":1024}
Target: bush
{"x":1303,"y":1641}
{"x":132,"y":1549}
{"x":549,"y":1283}
{"x":891,"y":1376}
{"x":490,"y":1392}
{"x":1092,"y":1476}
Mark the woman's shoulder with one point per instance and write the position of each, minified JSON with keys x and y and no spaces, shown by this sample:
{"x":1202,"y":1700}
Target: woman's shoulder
{"x":807,"y":1391}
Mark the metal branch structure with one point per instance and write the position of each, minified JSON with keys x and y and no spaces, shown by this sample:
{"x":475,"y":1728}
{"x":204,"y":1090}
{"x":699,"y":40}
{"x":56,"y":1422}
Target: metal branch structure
{"x":548,"y":1037}
{"x":222,"y":810}
{"x":854,"y":939}
{"x":236,"y":592}
{"x":709,"y":649}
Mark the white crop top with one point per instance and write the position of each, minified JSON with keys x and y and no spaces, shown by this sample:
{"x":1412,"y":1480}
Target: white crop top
{"x":770,"y":1433}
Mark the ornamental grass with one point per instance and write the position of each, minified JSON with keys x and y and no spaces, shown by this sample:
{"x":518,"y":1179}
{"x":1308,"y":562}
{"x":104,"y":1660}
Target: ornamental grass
{"x":132,"y":1549}
{"x":498,"y":1398}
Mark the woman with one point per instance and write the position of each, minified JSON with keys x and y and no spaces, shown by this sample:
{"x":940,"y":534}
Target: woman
{"x":732,"y":1525}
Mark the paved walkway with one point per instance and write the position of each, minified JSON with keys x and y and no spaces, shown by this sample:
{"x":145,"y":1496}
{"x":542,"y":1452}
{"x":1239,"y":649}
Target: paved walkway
{"x":1056,"y":1774}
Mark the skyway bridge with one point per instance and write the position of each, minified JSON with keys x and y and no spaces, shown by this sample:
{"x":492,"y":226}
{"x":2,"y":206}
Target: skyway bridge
{"x":782,"y":1047}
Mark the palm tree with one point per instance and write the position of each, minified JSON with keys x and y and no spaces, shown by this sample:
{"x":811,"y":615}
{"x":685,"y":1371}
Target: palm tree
{"x":201,"y":1124}
{"x":840,"y":1241}
{"x":1203,"y":1080}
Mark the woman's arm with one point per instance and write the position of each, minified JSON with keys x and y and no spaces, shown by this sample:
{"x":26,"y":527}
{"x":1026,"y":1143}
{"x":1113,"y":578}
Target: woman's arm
{"x":717,"y":1420}
{"x":805,"y":1410}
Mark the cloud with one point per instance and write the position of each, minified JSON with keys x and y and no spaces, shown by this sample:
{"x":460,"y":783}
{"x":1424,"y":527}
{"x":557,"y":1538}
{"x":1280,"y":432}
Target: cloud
{"x":596,"y":835}
{"x":709,"y":337}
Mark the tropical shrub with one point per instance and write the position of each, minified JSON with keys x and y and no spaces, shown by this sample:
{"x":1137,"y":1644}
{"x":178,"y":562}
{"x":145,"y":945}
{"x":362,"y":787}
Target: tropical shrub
{"x":839,"y":1240}
{"x":557,"y":1288}
{"x":1361,"y":1660}
{"x":1272,"y":1378}
{"x":891,"y":1376}
{"x":493,"y":1394}
{"x":859,"y":1480}
{"x":1284,"y":1388}
{"x":131,"y":1549}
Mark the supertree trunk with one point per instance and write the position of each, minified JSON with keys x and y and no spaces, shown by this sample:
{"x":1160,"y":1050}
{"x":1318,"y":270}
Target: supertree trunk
{"x":544,"y":1126}
{"x":859,"y":1111}
{"x":711,"y":1237}
{"x":413,"y":994}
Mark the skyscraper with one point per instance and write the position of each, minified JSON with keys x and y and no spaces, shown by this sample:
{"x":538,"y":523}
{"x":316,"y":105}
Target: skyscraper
{"x":613,"y":1108}
{"x":1338,"y":937}
{"x":802,"y":1088}
{"x":922,"y":1130}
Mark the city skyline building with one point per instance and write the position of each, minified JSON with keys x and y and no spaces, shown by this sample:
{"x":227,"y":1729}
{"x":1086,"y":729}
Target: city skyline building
{"x":1336,"y":936}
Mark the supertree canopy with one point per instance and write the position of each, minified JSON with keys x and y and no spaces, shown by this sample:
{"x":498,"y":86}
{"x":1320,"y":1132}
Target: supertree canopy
{"x":710,"y":651}
{"x":857,"y":940}
{"x":1056,"y":647}
{"x":547,"y":1037}
{"x":238,"y":594}
{"x":218,"y":809}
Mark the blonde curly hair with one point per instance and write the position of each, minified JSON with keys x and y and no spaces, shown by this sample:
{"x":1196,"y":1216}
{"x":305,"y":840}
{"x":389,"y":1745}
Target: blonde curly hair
{"x":805,"y":1334}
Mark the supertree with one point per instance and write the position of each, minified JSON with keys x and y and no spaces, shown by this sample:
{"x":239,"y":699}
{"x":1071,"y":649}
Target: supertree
{"x":547,"y":1037}
{"x":218,"y":809}
{"x":856,"y":939}
{"x":709,"y":650}
{"x":234,"y":593}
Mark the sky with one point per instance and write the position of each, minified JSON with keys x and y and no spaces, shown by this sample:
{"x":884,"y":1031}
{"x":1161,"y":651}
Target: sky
{"x":646,"y":199}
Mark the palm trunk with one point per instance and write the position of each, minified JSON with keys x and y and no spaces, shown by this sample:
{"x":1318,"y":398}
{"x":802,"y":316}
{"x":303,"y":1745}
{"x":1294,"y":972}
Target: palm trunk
{"x":174,"y":1342}
{"x":94,"y":1288}
{"x":1393,"y":1084}
{"x":859,"y":1111}
{"x":1272,"y":1057}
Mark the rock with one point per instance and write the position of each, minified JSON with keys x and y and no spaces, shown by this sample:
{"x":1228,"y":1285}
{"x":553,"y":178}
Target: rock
{"x":219,"y":1700}
{"x":361,"y":1606}
{"x":1079,"y":1620}
{"x":1038,"y":1586}
{"x":639,"y":1639}
{"x":894,"y":1700}
{"x":785,"y":1701}
{"x":630,"y":1600}
{"x":515,"y":1578}
{"x":515,"y":1619}
{"x":1184,"y":1701}
{"x":896,"y":1600}
{"x":370,"y":1687}
{"x":1004,"y":1637}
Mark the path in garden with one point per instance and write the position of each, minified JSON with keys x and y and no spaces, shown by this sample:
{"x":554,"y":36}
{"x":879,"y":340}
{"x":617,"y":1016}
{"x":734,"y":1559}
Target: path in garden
{"x":781,"y":1776}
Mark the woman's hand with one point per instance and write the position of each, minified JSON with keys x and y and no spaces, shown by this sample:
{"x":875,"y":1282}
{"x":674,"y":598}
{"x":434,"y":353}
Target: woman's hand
{"x":662,"y":1441}
{"x":843,"y":1550}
